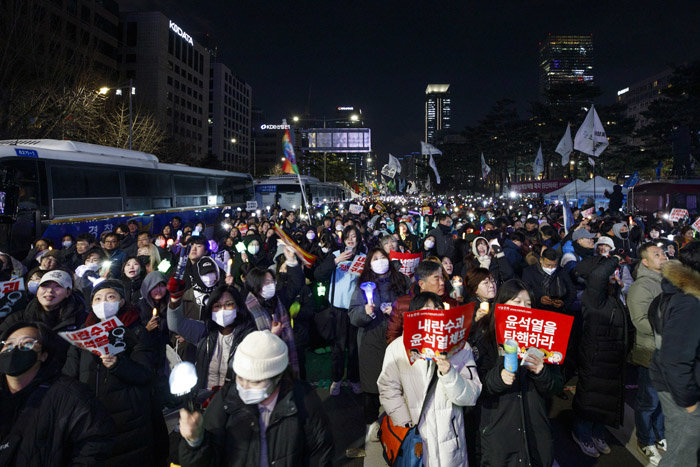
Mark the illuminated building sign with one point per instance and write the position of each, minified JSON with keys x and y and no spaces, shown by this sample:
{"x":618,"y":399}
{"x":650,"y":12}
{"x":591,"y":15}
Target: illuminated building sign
{"x":337,"y":140}
{"x":178,"y":30}
{"x":267,"y":126}
{"x":622,"y":91}
{"x":346,"y":108}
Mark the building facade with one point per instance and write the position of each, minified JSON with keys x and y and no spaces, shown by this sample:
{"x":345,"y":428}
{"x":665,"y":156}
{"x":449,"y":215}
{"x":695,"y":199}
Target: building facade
{"x":638,"y":96}
{"x":438,"y":109}
{"x":565,"y":60}
{"x":229,"y":122}
{"x":170,"y":74}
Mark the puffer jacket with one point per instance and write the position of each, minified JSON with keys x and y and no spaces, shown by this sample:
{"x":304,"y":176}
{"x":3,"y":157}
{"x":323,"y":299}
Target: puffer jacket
{"x":297,"y":434}
{"x":603,"y":345}
{"x":640,"y":295}
{"x":124,"y":389}
{"x":403,"y":387}
{"x":54,"y":421}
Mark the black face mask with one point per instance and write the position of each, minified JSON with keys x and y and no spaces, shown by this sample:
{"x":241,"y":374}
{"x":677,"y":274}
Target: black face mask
{"x":16,"y":361}
{"x":624,"y":234}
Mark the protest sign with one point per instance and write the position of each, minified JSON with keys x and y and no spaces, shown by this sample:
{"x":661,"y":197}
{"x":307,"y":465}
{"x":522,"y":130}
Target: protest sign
{"x":588,"y":212}
{"x":409,"y":261}
{"x":251,"y":205}
{"x":10,"y":294}
{"x":358,"y":264}
{"x":696,"y":224}
{"x":677,"y":214}
{"x":426,"y":210}
{"x":546,"y":330}
{"x":428,"y":333}
{"x":355,"y":209}
{"x":104,"y":338}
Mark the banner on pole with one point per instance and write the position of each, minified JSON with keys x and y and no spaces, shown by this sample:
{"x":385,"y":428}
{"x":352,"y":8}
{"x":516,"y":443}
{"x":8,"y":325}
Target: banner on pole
{"x":104,"y":338}
{"x":539,"y":186}
{"x":409,"y":261}
{"x":429,"y":333}
{"x":388,"y":171}
{"x":547,"y":331}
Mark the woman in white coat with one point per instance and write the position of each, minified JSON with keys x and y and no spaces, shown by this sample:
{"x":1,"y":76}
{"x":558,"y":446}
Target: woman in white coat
{"x":402,"y":388}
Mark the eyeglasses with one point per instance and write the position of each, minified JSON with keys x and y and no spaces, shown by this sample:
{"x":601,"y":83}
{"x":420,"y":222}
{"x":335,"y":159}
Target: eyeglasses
{"x":25,"y":343}
{"x":227,"y":306}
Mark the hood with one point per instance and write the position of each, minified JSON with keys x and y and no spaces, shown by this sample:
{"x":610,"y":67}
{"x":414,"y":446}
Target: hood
{"x":474,"y":245}
{"x":616,"y":229}
{"x":152,"y":279}
{"x":682,"y":277}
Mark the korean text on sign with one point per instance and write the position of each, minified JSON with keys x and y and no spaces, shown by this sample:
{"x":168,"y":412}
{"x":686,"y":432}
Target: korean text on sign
{"x":103,"y":338}
{"x":677,"y":214}
{"x":428,"y":333}
{"x":409,"y":261}
{"x":358,"y":265}
{"x":545,"y":330}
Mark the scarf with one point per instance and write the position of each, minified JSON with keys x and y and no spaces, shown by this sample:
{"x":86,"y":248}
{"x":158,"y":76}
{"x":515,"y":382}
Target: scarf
{"x":263,"y":320}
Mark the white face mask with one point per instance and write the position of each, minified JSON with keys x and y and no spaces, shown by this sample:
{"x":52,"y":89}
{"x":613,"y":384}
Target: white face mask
{"x":224,"y":317}
{"x":429,"y":244}
{"x":209,"y":280}
{"x":310,"y":235}
{"x":325,"y":250}
{"x":253,"y":249}
{"x":549,"y":271}
{"x":67,"y":244}
{"x":93,"y":266}
{"x":105,"y":310}
{"x":380,"y":266}
{"x":268,"y":291}
{"x":255,"y":396}
{"x":339,"y":228}
{"x":32,"y":287}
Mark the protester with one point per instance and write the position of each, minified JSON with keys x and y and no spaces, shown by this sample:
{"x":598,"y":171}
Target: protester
{"x":550,"y":285}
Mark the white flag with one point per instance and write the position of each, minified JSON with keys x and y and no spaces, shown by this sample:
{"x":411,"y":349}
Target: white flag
{"x":485,"y":169}
{"x":394,"y":164}
{"x":565,"y":146}
{"x":538,"y":165}
{"x":590,"y":137}
{"x":427,"y":149}
{"x":434,"y":167}
{"x":591,"y":161}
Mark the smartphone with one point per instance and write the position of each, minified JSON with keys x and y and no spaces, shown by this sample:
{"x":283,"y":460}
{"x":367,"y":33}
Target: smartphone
{"x":533,"y":351}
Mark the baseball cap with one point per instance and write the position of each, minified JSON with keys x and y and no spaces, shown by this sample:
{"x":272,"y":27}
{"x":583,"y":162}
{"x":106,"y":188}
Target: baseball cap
{"x":582,"y":233}
{"x":62,"y":278}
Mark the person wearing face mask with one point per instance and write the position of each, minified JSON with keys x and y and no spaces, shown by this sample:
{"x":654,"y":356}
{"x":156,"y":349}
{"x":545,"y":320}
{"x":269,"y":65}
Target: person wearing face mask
{"x":488,"y":256}
{"x":33,"y":279}
{"x":122,"y":382}
{"x":90,"y":271}
{"x":621,"y":239}
{"x":578,"y":248}
{"x":511,"y":400}
{"x":46,"y":418}
{"x":269,"y":305}
{"x":217,"y":337}
{"x":132,"y":277}
{"x":442,"y":233}
{"x":264,"y":417}
{"x":551,"y":286}
{"x":429,"y":248}
{"x":371,"y":321}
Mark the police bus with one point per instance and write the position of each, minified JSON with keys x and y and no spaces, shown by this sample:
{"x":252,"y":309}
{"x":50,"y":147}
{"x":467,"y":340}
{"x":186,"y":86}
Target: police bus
{"x":285,"y":191}
{"x":51,"y":188}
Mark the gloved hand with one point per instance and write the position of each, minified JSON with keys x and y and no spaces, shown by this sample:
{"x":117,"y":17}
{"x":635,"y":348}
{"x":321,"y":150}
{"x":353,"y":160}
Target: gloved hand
{"x":496,"y":248}
{"x":176,"y":288}
{"x":81,"y":270}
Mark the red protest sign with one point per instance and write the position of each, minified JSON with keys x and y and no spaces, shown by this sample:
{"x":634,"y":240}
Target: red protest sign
{"x":545,"y":330}
{"x":588,"y":212}
{"x":677,"y":214}
{"x":426,"y":210}
{"x":427,"y":333}
{"x":103,"y":338}
{"x":358,"y":265}
{"x":696,"y":224}
{"x":409,"y":261}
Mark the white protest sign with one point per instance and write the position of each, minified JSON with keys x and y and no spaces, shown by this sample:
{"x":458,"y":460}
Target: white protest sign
{"x":677,"y":214}
{"x":103,"y":338}
{"x":251,"y":205}
{"x":355,"y":209}
{"x":10,"y":293}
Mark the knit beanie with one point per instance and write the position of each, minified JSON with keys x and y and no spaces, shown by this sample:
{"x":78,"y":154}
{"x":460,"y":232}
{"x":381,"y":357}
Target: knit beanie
{"x":261,"y":355}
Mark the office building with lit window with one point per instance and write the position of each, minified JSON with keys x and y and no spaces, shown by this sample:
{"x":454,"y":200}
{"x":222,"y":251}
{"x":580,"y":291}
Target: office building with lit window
{"x":437,"y":110}
{"x":229,"y":132}
{"x":565,"y":60}
{"x":170,"y":72}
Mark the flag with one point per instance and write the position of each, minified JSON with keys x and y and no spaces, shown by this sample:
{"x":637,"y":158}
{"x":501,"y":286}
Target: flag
{"x":428,"y":149}
{"x":394,"y":164}
{"x":538,"y":165}
{"x":391,"y":185}
{"x":565,"y":146}
{"x":632,"y":181}
{"x":568,"y":217}
{"x":428,"y":188}
{"x":307,"y":258}
{"x":402,"y":185}
{"x":659,"y":167}
{"x":290,"y":162}
{"x":485,"y":169}
{"x":590,"y":137}
{"x":591,"y":161}
{"x":434,"y":167}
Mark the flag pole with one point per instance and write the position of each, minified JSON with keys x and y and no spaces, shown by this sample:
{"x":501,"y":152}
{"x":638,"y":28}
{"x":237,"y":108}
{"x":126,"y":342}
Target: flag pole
{"x":303,"y":196}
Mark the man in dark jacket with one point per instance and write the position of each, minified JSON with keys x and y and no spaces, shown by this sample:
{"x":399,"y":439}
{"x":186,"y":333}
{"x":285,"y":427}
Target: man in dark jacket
{"x":46,"y":419}
{"x":615,"y":198}
{"x":444,"y":243}
{"x":675,"y":365}
{"x":511,"y":248}
{"x":550,"y":285}
{"x":265,"y":418}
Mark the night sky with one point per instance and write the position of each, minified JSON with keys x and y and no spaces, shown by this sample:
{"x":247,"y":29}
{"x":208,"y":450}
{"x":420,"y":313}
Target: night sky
{"x":379,"y":55}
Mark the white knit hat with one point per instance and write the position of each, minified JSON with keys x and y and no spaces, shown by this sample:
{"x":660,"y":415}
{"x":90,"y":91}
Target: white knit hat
{"x":261,"y":355}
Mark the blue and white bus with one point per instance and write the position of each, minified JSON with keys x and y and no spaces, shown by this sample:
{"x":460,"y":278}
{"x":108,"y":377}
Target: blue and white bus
{"x":285,"y":191}
{"x":49,"y":188}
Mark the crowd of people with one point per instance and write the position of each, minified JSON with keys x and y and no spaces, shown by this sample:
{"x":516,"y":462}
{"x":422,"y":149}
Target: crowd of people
{"x":246,"y":306}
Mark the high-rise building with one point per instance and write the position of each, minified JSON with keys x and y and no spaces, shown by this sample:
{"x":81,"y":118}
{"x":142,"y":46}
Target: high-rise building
{"x":639,"y":95}
{"x":565,"y":60}
{"x":437,"y":110}
{"x":170,"y":72}
{"x":229,"y":118}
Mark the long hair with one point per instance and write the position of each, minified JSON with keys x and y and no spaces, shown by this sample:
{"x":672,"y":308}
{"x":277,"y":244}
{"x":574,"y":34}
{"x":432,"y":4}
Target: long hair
{"x":241,"y":310}
{"x":398,"y":283}
{"x":360,"y":248}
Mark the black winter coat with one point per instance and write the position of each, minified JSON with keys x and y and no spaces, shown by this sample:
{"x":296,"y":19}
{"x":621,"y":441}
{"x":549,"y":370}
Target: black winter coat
{"x":125,"y":391}
{"x":54,"y":421}
{"x":557,"y":286}
{"x":297,"y":435}
{"x":206,"y":346}
{"x":603,"y":346}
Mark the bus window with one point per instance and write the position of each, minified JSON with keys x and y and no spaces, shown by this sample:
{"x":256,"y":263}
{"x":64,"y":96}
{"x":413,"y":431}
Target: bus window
{"x":85,"y":190}
{"x":237,"y":191}
{"x":190,"y":191}
{"x":147,"y":190}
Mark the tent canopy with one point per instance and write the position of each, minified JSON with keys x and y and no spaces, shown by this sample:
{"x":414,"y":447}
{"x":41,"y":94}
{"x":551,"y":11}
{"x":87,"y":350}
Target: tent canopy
{"x":566,"y":192}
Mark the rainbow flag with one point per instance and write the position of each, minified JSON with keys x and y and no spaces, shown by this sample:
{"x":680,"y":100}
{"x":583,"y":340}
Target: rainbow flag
{"x":306,"y":258}
{"x":290,"y":162}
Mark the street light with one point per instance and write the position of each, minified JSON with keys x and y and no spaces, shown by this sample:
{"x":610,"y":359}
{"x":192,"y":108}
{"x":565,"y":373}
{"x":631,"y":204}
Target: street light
{"x":354,"y":117}
{"x":118,"y":91}
{"x":233,"y":140}
{"x":295,"y":118}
